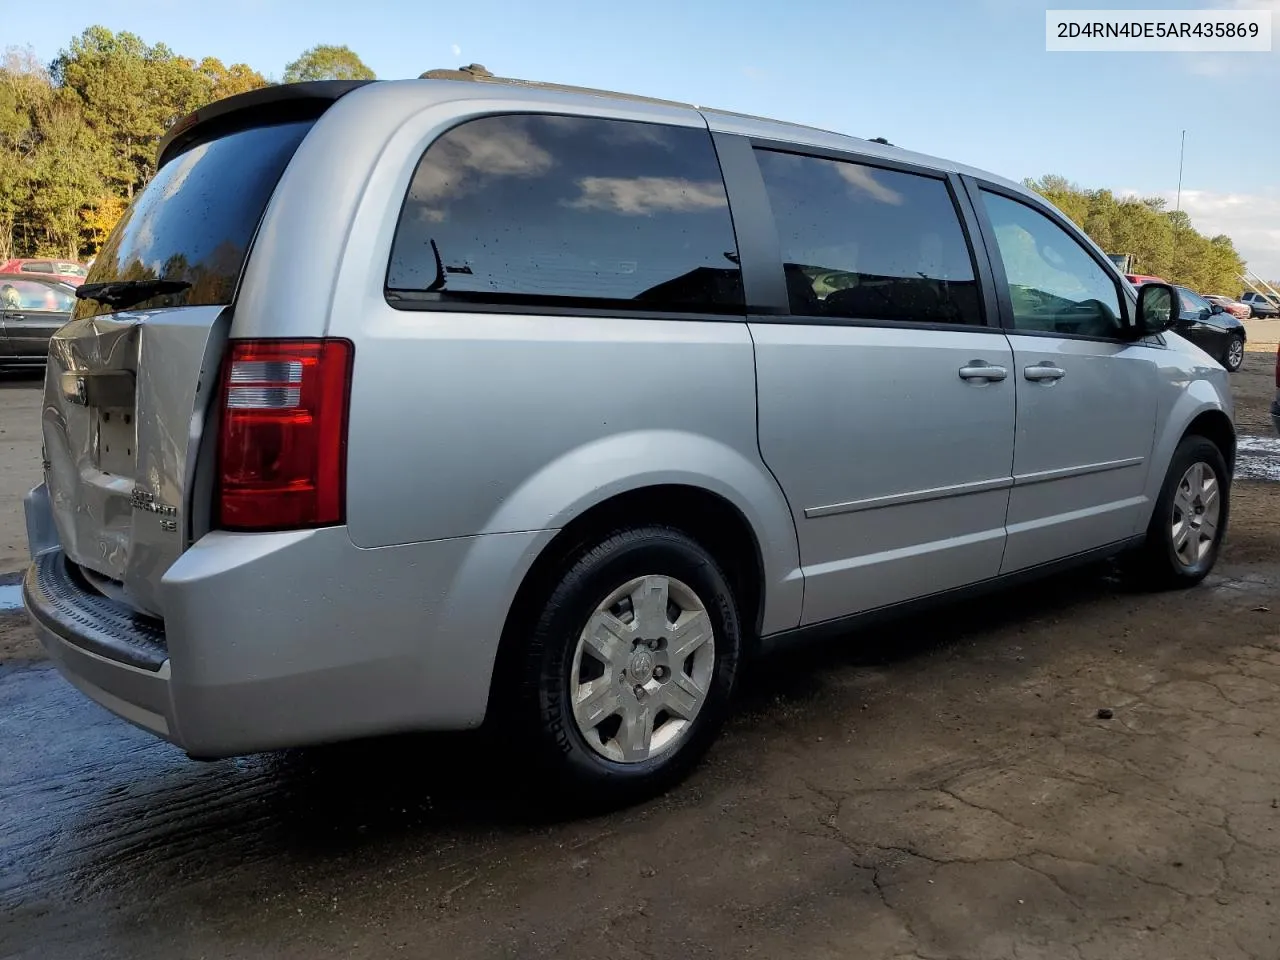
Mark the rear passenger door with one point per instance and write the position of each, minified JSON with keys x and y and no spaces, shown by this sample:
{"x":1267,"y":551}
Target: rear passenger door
{"x":1087,"y":392}
{"x":886,"y":402}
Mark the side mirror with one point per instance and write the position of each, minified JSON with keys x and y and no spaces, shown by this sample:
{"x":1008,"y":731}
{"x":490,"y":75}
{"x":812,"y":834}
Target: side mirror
{"x":1215,"y":308}
{"x":1157,"y":308}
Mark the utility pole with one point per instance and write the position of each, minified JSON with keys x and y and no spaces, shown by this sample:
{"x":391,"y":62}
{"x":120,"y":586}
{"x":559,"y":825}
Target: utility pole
{"x":1177,"y":207}
{"x":1181,"y":153}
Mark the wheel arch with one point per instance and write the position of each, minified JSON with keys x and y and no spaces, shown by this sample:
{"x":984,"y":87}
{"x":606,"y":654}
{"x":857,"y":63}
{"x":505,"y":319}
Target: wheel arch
{"x":710,"y":518}
{"x":1216,"y":426}
{"x":1198,"y":410}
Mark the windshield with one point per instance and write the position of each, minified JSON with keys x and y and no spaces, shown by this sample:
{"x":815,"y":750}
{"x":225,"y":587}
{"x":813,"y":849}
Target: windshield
{"x":195,"y":220}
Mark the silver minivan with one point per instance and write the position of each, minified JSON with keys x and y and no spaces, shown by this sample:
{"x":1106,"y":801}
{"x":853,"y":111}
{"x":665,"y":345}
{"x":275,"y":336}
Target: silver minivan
{"x":417,"y":405}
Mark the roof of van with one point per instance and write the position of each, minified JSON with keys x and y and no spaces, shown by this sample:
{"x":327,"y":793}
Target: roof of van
{"x":310,"y":99}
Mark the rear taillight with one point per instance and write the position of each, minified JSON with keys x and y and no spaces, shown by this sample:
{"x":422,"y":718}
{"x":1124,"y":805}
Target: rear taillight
{"x":282,"y":444}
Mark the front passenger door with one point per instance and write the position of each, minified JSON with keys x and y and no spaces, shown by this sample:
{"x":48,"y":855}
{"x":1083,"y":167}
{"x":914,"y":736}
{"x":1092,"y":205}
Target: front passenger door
{"x":1086,"y":393}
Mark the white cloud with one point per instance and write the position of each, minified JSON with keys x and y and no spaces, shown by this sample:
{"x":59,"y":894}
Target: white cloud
{"x":1251,"y":220}
{"x":637,"y":196}
{"x":863,"y":180}
{"x":457,"y":50}
{"x":457,"y":163}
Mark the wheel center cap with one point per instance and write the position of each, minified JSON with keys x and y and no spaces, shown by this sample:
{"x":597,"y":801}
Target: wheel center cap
{"x":641,"y":669}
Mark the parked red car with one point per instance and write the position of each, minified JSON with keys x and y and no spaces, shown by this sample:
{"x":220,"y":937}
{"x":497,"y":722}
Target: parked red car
{"x":1138,"y":279}
{"x":1241,"y":311}
{"x":62,"y":269}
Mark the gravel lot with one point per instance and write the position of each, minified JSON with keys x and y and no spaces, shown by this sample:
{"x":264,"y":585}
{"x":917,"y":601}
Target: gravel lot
{"x":941,"y":788}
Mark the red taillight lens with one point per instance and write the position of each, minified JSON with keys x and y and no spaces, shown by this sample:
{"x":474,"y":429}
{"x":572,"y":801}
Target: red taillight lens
{"x":282,"y":447}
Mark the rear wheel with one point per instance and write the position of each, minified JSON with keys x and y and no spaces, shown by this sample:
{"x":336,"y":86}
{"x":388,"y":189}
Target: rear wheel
{"x":630,"y":665}
{"x":1189,"y":520}
{"x":1233,"y":356}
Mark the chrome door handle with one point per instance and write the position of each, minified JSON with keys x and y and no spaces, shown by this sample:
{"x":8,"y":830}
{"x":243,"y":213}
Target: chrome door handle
{"x":15,"y":316}
{"x":981,"y":370}
{"x":1045,"y":370}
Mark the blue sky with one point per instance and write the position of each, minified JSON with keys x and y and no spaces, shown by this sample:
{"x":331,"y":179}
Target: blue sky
{"x":966,"y":79}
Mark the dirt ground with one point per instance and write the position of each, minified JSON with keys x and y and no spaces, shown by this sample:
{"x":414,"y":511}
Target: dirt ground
{"x":942,"y":788}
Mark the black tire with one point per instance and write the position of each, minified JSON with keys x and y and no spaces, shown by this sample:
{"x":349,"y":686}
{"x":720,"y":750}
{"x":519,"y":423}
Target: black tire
{"x":544,"y":709}
{"x":1157,"y":564}
{"x":1236,"y":343}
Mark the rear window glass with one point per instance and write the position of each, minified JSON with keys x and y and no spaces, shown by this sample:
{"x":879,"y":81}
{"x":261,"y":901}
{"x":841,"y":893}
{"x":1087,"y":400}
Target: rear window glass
{"x":572,"y":211}
{"x":196,"y":218}
{"x":865,"y":243}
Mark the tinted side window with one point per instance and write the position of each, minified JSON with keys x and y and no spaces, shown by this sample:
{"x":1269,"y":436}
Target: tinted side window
{"x":1192,"y":302}
{"x":34,"y":296}
{"x":543,"y":210}
{"x":37,"y":267}
{"x":1055,"y":286}
{"x":866,"y":243}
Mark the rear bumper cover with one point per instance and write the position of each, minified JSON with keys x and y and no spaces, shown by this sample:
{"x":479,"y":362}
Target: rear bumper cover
{"x":287,"y":639}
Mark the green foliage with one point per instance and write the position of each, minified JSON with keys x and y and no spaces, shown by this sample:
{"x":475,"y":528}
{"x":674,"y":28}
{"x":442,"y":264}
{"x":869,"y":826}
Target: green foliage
{"x":325,"y":62}
{"x":79,"y":138}
{"x":130,"y":93}
{"x":1165,"y":242}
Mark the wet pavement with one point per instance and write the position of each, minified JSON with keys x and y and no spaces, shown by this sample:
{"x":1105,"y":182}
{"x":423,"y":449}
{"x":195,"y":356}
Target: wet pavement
{"x":940,"y":788}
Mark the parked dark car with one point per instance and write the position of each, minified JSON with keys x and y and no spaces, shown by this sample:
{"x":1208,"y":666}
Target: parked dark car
{"x":1211,"y":328}
{"x":1263,"y":307}
{"x":31,"y":309}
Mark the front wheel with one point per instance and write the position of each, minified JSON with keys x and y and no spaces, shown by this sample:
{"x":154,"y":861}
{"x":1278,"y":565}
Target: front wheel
{"x":630,"y":666}
{"x":1233,"y":356}
{"x":1189,"y":519}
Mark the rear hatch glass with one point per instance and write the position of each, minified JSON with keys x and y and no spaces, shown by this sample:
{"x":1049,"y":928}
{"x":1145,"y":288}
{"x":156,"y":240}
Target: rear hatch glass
{"x":195,"y":220}
{"x":126,"y":390}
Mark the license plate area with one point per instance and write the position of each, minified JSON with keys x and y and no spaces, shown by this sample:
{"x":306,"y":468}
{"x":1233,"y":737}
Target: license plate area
{"x":116,"y":441}
{"x":109,"y":400}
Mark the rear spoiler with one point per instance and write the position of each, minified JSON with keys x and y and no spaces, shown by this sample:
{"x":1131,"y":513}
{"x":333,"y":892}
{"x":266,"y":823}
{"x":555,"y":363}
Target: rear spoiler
{"x":281,"y":103}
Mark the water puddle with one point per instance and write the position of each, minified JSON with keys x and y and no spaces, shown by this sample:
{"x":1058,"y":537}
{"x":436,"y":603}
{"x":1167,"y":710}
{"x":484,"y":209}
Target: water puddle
{"x":10,"y":596}
{"x":1258,"y":458}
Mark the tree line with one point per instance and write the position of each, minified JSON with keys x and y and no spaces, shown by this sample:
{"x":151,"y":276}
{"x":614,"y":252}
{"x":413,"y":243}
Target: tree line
{"x":1164,"y":242}
{"x":78,"y":139}
{"x":78,"y":136}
